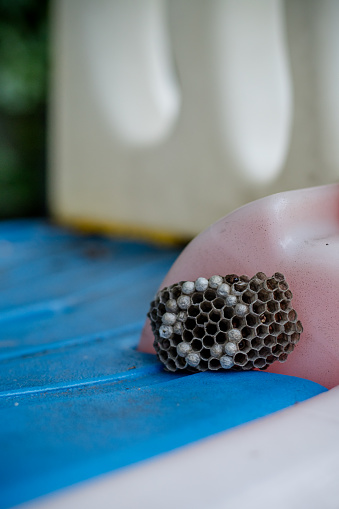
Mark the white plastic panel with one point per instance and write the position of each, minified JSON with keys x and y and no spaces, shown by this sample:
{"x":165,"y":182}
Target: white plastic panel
{"x":166,"y":115}
{"x":326,"y":55}
{"x":254,"y":85}
{"x":129,"y":63}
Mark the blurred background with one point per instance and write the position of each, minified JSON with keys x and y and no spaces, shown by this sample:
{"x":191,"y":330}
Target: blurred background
{"x":23,"y":101}
{"x":163,"y":115}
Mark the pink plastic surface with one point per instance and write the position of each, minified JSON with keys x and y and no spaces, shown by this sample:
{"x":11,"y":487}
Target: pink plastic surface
{"x":296,"y":233}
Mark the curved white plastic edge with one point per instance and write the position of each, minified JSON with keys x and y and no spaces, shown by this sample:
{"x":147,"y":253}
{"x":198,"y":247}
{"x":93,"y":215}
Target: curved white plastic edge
{"x":130,"y":64}
{"x":289,"y":460}
{"x":254,"y":86}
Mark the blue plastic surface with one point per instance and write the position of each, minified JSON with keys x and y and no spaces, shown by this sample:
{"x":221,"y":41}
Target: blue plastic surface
{"x":76,"y":398}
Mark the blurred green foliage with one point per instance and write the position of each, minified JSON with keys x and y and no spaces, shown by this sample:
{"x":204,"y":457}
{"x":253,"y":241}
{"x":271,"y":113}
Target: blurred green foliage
{"x":23,"y":86}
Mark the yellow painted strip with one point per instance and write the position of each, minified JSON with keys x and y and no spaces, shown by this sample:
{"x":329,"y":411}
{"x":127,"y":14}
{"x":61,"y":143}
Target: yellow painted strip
{"x":124,"y":230}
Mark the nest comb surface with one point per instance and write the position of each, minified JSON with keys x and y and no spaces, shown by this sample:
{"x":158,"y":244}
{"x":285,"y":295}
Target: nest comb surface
{"x":229,"y":322}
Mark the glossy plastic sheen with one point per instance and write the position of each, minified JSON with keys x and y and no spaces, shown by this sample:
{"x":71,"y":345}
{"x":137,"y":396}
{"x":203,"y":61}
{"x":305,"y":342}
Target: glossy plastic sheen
{"x":296,"y":233}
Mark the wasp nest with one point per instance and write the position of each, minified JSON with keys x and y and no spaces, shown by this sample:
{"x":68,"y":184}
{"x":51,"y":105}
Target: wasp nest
{"x":229,"y":322}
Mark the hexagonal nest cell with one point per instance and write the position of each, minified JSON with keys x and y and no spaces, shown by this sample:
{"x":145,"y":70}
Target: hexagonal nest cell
{"x":232,"y":322}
